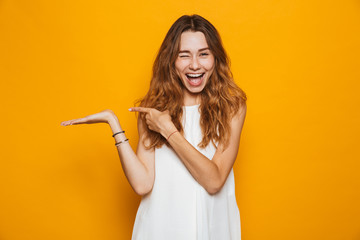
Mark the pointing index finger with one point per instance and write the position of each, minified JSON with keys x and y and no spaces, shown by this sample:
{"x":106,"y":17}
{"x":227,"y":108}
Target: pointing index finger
{"x":139,"y":109}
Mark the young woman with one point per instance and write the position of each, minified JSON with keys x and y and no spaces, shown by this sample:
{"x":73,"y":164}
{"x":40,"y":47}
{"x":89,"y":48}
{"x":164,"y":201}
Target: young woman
{"x":189,"y":126}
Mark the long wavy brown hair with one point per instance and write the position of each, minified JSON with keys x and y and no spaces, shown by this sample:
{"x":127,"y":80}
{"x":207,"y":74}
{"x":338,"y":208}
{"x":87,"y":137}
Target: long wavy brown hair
{"x":221,"y":98}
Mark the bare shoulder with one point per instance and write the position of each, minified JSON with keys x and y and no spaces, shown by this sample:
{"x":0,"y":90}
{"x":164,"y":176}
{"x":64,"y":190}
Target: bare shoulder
{"x":236,"y":126}
{"x":238,"y":120}
{"x":239,"y":117}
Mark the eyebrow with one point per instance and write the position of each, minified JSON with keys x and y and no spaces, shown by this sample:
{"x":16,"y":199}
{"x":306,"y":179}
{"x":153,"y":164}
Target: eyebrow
{"x":187,"y":51}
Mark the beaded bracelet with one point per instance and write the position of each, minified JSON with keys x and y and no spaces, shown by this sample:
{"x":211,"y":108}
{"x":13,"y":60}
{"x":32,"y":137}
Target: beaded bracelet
{"x":118,"y":143}
{"x":118,"y":133}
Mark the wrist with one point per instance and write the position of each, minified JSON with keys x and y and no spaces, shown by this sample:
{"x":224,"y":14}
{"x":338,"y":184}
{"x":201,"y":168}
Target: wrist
{"x":168,"y":131}
{"x":168,"y":137}
{"x":114,"y":123}
{"x":111,"y":117}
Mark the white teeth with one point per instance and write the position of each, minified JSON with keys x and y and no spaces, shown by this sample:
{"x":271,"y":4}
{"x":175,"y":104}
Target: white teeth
{"x":194,"y":75}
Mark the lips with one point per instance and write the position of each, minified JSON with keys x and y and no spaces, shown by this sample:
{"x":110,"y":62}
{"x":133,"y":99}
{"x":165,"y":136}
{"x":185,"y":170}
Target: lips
{"x":195,"y":79}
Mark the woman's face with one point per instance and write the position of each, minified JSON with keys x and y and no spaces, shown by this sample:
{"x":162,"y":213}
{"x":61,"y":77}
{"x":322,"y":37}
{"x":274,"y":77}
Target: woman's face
{"x":195,"y":62}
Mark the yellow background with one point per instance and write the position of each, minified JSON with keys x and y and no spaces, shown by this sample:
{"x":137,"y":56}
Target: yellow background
{"x":297,"y":172}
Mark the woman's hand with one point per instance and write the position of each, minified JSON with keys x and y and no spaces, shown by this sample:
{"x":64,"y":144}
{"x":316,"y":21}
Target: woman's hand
{"x":139,"y":168}
{"x":156,"y":121}
{"x":101,"y":117}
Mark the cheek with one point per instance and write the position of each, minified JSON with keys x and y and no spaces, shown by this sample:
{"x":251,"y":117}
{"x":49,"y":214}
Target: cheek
{"x":209,"y":65}
{"x":178,"y":66}
{"x":178,"y":70}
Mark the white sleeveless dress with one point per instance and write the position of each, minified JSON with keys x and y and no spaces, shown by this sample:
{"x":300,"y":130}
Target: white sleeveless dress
{"x":178,"y":207}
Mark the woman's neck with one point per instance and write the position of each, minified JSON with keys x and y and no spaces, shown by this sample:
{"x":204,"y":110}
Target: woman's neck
{"x":191,"y":99}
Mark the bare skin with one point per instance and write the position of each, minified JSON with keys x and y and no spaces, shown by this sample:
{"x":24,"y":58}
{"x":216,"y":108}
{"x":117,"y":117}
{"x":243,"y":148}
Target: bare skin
{"x":139,"y":167}
{"x":211,"y":174}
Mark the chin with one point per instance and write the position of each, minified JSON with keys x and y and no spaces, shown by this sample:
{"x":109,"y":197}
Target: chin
{"x":195,"y":90}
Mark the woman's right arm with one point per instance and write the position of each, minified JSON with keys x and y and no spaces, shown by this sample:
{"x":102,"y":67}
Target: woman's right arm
{"x":139,"y":168}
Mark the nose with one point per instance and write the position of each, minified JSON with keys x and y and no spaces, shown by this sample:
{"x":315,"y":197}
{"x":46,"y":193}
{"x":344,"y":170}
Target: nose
{"x":194,"y":64}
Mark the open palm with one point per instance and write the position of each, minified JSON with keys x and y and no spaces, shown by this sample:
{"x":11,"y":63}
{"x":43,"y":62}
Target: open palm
{"x":100,"y":117}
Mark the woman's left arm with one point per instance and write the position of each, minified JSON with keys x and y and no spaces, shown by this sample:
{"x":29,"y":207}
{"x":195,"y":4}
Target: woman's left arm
{"x":211,"y":174}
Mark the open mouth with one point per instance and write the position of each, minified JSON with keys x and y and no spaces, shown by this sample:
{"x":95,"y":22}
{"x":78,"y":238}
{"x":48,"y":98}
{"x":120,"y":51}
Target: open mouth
{"x":195,"y":79}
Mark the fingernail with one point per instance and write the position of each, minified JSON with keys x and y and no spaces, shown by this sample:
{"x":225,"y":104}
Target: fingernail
{"x":130,"y":109}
